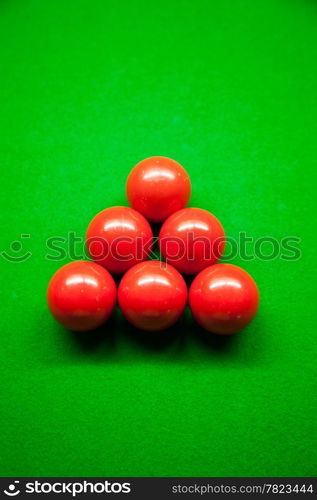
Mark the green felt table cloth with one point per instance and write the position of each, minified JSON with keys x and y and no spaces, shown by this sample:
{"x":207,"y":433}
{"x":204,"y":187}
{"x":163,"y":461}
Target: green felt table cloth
{"x":88,"y":89}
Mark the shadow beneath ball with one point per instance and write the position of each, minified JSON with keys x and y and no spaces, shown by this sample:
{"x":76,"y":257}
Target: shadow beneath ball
{"x":188,"y":279}
{"x":214,"y":342}
{"x":156,"y":227}
{"x":103,"y":338}
{"x":151,"y":340}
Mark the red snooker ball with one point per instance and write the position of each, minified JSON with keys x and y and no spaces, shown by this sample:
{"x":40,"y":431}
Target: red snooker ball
{"x":81,"y":295}
{"x":118,"y":238}
{"x":192,"y":239}
{"x":158,"y":187}
{"x":223,"y":298}
{"x":152,"y":295}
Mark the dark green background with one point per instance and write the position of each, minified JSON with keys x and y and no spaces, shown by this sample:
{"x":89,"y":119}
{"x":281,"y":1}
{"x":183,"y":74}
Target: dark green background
{"x":87,"y":90}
